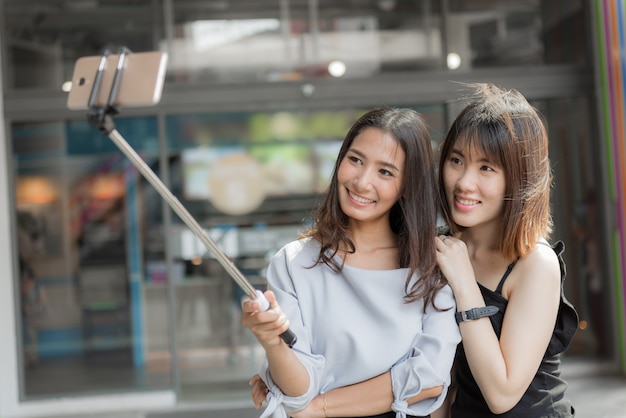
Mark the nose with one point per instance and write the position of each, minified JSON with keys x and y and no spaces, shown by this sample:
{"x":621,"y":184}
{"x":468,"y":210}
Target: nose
{"x":466,"y":180}
{"x":364,"y":179}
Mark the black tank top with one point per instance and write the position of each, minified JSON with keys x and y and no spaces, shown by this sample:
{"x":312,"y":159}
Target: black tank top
{"x":545,"y":397}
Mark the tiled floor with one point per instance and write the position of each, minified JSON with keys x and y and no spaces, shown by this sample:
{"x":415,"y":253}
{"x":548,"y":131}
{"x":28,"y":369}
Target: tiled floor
{"x":598,"y":390}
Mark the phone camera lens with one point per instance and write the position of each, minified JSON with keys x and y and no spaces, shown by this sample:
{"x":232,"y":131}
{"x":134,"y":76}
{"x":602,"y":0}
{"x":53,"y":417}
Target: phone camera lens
{"x":81,"y":81}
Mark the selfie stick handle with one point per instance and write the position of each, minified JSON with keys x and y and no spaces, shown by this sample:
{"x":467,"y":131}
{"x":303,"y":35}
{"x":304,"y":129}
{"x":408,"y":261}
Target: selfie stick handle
{"x":105,"y":124}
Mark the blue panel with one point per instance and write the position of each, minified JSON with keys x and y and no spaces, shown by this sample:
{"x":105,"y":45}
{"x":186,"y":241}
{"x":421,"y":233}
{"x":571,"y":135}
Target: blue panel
{"x":60,"y":342}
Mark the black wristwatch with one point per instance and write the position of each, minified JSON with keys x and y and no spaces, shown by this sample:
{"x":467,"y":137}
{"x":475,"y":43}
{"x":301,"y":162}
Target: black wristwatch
{"x":475,"y":313}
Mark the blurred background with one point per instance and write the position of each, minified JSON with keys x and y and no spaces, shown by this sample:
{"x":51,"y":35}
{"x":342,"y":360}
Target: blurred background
{"x":105,"y":286}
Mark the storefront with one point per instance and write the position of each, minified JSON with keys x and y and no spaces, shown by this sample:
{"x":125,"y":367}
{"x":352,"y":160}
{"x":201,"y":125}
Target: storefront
{"x":130,"y":311}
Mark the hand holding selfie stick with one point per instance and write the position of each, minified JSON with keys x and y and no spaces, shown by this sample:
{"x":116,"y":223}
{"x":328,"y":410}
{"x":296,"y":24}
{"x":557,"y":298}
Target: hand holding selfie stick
{"x":102,"y":118}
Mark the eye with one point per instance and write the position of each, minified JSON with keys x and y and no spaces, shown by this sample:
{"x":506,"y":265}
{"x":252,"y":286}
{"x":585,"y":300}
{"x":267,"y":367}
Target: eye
{"x":385,"y":172}
{"x":355,"y":159}
{"x":487,"y":168}
{"x":455,"y":160}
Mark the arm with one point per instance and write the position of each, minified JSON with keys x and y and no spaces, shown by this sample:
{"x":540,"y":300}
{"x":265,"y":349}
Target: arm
{"x":371,"y":397}
{"x":347,"y":400}
{"x":291,"y":375}
{"x":286,"y":370}
{"x":416,"y":384}
{"x":504,"y":368}
{"x":444,"y":410}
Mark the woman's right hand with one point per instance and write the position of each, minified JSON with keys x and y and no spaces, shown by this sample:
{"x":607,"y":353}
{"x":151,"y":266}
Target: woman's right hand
{"x":265,"y":325}
{"x":454,"y":262}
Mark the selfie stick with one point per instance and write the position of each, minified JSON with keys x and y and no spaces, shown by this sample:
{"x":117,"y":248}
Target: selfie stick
{"x":102,"y":118}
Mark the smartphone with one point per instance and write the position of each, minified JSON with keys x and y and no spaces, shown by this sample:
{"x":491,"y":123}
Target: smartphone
{"x":141,"y":82}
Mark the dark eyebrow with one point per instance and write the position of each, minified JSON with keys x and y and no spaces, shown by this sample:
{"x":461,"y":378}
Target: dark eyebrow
{"x":484,"y":159}
{"x":457,"y":151}
{"x":383,"y":163}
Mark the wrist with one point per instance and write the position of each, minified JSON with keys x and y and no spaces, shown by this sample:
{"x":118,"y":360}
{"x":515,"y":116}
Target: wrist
{"x":475,"y":313}
{"x":467,"y":296}
{"x":325,"y":406}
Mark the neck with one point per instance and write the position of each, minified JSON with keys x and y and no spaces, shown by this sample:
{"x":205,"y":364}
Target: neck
{"x":369,"y":238}
{"x":482,"y":240}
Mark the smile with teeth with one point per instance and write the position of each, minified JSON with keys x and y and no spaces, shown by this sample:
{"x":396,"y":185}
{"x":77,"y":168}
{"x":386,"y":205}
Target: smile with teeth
{"x":467,"y":202}
{"x":359,"y":198}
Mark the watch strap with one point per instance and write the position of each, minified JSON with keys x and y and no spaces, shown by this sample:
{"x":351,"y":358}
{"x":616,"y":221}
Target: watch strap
{"x":475,"y":313}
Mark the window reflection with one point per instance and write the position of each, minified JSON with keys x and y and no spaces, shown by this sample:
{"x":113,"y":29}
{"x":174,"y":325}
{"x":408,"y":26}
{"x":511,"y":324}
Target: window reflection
{"x":76,"y":227}
{"x":273,"y":41}
{"x":301,"y":42}
{"x":43,"y":38}
{"x":492,"y":33}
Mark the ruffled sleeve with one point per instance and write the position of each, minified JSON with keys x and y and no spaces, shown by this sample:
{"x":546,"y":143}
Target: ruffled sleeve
{"x":430,"y":359}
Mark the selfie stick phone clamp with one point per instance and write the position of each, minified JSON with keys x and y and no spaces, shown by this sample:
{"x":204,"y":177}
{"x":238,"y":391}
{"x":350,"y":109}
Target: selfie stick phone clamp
{"x":102,"y":118}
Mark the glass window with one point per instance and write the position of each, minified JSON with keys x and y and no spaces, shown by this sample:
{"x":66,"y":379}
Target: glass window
{"x":270,"y":41}
{"x":577,"y":214}
{"x":45,"y":37}
{"x":80,"y":243}
{"x":293,"y":40}
{"x":492,"y":33}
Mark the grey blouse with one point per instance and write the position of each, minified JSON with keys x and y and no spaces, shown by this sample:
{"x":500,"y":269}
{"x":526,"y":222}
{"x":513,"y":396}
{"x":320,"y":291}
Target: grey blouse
{"x":354,"y":325}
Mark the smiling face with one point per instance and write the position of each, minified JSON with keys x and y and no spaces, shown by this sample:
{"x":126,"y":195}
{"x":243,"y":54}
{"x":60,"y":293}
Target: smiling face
{"x":474,"y":185}
{"x":370,"y":176}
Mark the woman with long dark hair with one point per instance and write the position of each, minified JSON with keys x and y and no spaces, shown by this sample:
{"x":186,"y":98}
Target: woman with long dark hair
{"x":360,"y":288}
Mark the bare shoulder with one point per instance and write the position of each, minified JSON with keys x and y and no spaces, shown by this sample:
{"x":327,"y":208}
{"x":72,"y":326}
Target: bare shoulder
{"x":542,"y":259}
{"x":538,"y":269}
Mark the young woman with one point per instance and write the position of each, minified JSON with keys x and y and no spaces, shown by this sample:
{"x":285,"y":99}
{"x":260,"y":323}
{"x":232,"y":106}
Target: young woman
{"x":360,"y":288}
{"x":494,"y":184}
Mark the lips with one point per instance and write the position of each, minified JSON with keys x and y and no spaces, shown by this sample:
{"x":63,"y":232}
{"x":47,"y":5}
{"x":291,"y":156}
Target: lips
{"x":359,"y":199}
{"x":464,"y":203}
{"x":467,"y":202}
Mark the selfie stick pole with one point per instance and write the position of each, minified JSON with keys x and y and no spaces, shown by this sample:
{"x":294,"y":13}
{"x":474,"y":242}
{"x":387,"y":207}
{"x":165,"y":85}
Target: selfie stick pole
{"x":102,"y":118}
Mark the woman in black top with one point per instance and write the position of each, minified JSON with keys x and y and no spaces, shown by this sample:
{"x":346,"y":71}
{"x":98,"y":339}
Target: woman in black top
{"x":494,"y":180}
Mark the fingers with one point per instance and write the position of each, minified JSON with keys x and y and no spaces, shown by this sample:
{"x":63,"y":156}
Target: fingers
{"x":449,"y":241}
{"x":249,"y":305}
{"x":259,"y":391}
{"x":254,"y":380}
{"x":442,"y":241}
{"x":271,"y":298}
{"x":265,"y":325}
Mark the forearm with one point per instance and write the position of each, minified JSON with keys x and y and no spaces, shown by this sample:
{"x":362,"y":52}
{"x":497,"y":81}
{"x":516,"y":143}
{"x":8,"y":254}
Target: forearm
{"x":285,"y":368}
{"x":287,"y":371}
{"x":374,"y":396}
{"x":481,"y":345}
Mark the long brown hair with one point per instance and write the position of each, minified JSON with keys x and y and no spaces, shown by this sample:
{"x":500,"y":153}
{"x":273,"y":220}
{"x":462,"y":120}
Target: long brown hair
{"x":412,"y":218}
{"x":502,"y":124}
